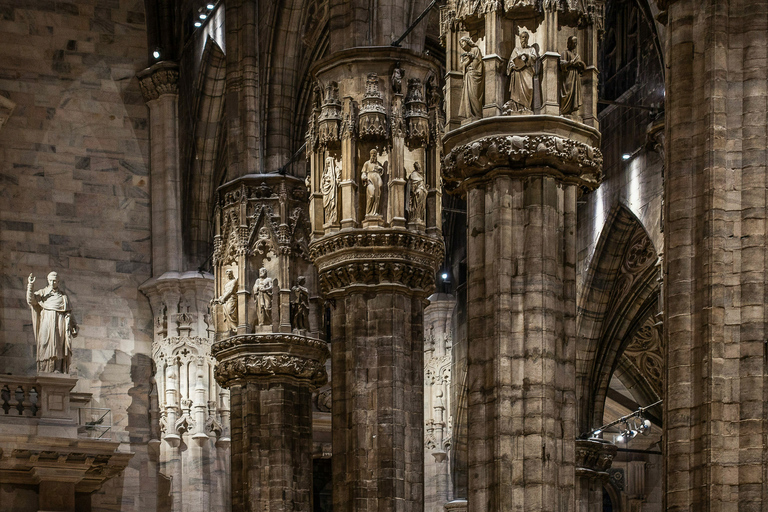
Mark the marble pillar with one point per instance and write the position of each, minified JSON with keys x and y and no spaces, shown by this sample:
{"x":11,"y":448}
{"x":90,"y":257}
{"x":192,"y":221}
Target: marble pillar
{"x":521,"y":167}
{"x":266,"y":328}
{"x":376,"y":266}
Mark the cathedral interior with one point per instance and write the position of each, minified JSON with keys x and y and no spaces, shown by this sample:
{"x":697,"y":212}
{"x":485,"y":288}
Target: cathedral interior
{"x":383,"y":255}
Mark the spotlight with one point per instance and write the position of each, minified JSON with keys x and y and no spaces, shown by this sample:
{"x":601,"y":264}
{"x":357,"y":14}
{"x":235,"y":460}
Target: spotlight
{"x":620,"y":438}
{"x":198,"y":24}
{"x":626,"y":156}
{"x":210,"y":7}
{"x":444,"y":276}
{"x":156,"y":53}
{"x":203,"y":16}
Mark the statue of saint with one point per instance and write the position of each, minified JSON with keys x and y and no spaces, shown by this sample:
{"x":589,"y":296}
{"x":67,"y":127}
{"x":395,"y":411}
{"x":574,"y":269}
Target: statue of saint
{"x":474,"y":89}
{"x":417,"y":197}
{"x":228,"y":301}
{"x":300,"y":316}
{"x":521,"y":70}
{"x":571,"y":68}
{"x":53,"y":325}
{"x":262,"y":291}
{"x":371,"y":176}
{"x":329,"y":186}
{"x":397,"y":79}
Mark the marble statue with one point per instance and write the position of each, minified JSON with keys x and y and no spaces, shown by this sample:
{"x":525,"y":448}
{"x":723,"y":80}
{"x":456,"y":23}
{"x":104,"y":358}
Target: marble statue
{"x":418,"y":194}
{"x":228,"y":301}
{"x":262,"y":292}
{"x":371,"y":176}
{"x":53,"y":325}
{"x":571,"y":68}
{"x":300,"y":310}
{"x":473,"y":91}
{"x":329,"y":186}
{"x":521,"y":71}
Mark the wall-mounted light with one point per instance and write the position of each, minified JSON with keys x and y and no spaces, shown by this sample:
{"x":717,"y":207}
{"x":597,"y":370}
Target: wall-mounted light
{"x":198,"y":24}
{"x":444,"y":276}
{"x":210,"y":7}
{"x":203,"y":16}
{"x":626,"y":156}
{"x":156,"y":53}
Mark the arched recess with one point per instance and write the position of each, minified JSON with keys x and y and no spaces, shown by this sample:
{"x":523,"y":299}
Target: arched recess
{"x":201,"y":181}
{"x":620,"y":294}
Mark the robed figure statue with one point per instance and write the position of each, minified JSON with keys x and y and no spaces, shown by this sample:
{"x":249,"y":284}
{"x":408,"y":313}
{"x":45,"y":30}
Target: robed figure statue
{"x":473,"y":92}
{"x":53,"y":325}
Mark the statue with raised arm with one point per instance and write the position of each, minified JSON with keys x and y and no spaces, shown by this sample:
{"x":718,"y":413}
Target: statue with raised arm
{"x":300,"y":310}
{"x":521,"y":70}
{"x":417,"y":200}
{"x":53,"y":325}
{"x":228,"y":301}
{"x":571,"y":68}
{"x":371,"y":176}
{"x":329,"y":186}
{"x":262,"y":292}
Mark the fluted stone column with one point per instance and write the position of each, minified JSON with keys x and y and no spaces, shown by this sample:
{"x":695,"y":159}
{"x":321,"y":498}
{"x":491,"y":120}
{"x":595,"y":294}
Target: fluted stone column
{"x":189,"y":411}
{"x":267,"y":343}
{"x":376,"y":265}
{"x":521,"y":174}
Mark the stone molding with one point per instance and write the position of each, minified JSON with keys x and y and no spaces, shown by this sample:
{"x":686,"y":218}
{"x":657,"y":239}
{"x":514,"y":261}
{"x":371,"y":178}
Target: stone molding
{"x":282,"y":355}
{"x":594,"y":457}
{"x":380,"y":257}
{"x":159,"y":79}
{"x":568,"y":160}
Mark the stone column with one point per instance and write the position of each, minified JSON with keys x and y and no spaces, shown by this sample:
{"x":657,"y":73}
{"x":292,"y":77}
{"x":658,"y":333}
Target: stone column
{"x":593,"y":459}
{"x":377,"y":270}
{"x":716,"y":265}
{"x":438,"y":341}
{"x":267,"y":343}
{"x":521,"y":175}
{"x":189,"y":426}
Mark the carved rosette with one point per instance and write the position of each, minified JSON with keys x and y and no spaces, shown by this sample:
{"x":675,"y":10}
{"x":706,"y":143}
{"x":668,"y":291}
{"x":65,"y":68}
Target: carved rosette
{"x":271,"y":356}
{"x":159,"y":79}
{"x":382,"y":258}
{"x":372,"y":120}
{"x":594,"y":458}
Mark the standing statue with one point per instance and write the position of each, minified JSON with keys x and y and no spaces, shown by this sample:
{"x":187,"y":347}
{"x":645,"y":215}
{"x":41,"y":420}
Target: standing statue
{"x":397,"y":79}
{"x":262,"y":291}
{"x":473,"y":91}
{"x":417,"y":197}
{"x":228,"y":300}
{"x":300,"y":316}
{"x":521,"y":71}
{"x":371,"y":176}
{"x":53,"y":325}
{"x":329,"y":187}
{"x":571,"y":67}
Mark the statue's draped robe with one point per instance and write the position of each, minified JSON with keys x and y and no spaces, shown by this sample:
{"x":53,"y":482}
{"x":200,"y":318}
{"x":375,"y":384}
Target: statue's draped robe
{"x":473,"y":92}
{"x":229,"y":308}
{"x":371,"y":174}
{"x":52,"y":324}
{"x":262,"y":290}
{"x":328,"y":187}
{"x":521,"y":77}
{"x":417,"y":194}
{"x":570,"y":95}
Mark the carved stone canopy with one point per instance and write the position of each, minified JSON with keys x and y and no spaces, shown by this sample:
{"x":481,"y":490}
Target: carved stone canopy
{"x":159,"y":79}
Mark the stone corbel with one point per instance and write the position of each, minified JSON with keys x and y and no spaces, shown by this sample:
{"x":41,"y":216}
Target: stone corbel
{"x":160,"y":79}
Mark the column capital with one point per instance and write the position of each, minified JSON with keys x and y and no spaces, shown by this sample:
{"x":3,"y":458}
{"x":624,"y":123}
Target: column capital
{"x":393,"y":258}
{"x":594,"y":457}
{"x":159,"y":79}
{"x":523,"y":145}
{"x":270,"y":355}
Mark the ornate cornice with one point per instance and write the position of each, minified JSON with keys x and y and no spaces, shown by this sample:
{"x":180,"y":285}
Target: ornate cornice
{"x":594,"y":457}
{"x":159,"y":79}
{"x":377,"y":257}
{"x":566,"y":159}
{"x":267,"y":355}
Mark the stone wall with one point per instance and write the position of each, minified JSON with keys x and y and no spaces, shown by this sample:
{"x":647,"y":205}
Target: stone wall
{"x":75,"y":199}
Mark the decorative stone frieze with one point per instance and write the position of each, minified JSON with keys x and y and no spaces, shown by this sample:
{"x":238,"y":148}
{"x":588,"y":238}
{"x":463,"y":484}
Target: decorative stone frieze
{"x":594,"y":458}
{"x":159,"y":79}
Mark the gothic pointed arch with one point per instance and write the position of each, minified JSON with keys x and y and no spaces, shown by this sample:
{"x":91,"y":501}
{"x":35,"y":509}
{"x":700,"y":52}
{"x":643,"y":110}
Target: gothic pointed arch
{"x":620,"y":294}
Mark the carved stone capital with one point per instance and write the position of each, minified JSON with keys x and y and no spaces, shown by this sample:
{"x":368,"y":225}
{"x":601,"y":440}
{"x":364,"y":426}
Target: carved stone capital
{"x":270,"y":355}
{"x":159,"y":79}
{"x":381,"y":257}
{"x":540,"y":145}
{"x":594,"y":457}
